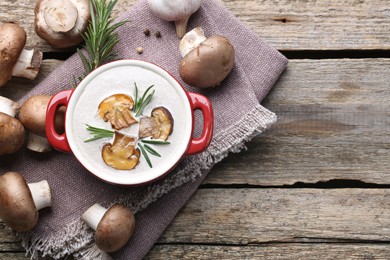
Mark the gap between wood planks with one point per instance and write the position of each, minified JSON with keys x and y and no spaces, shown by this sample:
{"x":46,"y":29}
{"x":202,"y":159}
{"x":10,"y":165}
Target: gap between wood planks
{"x":290,"y":54}
{"x":292,"y":241}
{"x":336,"y":54}
{"x":331,"y":184}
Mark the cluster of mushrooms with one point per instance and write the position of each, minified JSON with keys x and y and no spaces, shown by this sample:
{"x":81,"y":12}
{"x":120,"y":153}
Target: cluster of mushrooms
{"x":61,"y":24}
{"x":20,"y":202}
{"x":122,"y":154}
{"x":206,"y":62}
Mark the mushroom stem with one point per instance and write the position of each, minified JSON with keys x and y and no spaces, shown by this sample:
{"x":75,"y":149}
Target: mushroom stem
{"x":191,"y":40}
{"x":8,"y":106}
{"x":93,"y":215}
{"x":38,"y":143}
{"x":28,"y":64}
{"x":41,"y":194}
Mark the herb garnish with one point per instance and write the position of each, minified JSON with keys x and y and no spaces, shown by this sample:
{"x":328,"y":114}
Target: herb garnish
{"x":100,"y":37}
{"x":98,"y":133}
{"x":155,"y":142}
{"x":141,"y":103}
{"x":146,"y":155}
{"x":151,"y":150}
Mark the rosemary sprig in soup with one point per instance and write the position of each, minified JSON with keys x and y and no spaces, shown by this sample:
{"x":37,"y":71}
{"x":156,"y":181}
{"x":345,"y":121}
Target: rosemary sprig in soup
{"x":98,"y":133}
{"x":141,"y":103}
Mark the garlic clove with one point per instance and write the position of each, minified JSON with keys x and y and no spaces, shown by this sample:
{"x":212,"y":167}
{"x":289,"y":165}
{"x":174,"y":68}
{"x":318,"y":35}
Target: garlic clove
{"x":178,"y":11}
{"x":181,"y":26}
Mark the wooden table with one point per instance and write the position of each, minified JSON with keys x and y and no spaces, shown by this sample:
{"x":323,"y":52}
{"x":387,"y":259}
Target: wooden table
{"x":316,"y":185}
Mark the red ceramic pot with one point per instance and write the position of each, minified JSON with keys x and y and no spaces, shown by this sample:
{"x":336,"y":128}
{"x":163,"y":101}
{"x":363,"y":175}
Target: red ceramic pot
{"x":120,"y":77}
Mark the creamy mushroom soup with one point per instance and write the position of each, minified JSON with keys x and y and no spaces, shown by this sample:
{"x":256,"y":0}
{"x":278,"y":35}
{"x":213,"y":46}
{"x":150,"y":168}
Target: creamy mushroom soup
{"x":83,"y":110}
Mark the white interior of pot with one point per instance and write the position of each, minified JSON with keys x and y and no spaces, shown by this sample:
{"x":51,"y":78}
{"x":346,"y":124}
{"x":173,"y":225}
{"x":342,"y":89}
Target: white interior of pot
{"x":119,"y":77}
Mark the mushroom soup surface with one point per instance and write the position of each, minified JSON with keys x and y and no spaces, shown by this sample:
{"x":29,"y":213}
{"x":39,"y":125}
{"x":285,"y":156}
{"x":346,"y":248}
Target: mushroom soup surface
{"x":121,"y":80}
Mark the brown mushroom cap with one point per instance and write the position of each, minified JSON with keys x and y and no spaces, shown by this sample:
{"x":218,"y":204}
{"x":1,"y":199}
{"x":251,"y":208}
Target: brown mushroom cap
{"x":116,"y":109}
{"x":121,"y":154}
{"x":32,"y":114}
{"x":158,"y":126}
{"x":12,"y":41}
{"x":61,"y":23}
{"x":209,"y":63}
{"x":12,"y":134}
{"x":115,"y":228}
{"x":17,"y":208}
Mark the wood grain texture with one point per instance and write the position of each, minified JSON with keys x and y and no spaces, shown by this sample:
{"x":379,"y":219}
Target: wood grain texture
{"x":13,"y":256}
{"x":274,"y":251}
{"x":18,"y":87}
{"x":257,"y":216}
{"x":284,"y":24}
{"x":266,"y":218}
{"x":333,"y":123}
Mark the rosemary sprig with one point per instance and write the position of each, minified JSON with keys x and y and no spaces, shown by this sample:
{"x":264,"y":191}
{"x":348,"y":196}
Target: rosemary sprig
{"x":135,"y":97}
{"x":146,"y":155}
{"x":100,"y":37}
{"x":98,"y":133}
{"x":155,"y":142}
{"x":151,"y":150}
{"x":141,"y":103}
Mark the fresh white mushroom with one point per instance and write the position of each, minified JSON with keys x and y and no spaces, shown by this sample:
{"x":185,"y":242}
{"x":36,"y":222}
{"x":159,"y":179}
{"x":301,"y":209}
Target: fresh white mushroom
{"x":20,"y":202}
{"x":177,"y":11}
{"x":32,"y":114}
{"x":206,"y":61}
{"x":61,"y":23}
{"x":113,"y":227}
{"x":14,"y":59}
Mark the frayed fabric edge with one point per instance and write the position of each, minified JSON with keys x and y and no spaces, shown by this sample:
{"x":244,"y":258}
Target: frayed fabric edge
{"x":77,"y":239}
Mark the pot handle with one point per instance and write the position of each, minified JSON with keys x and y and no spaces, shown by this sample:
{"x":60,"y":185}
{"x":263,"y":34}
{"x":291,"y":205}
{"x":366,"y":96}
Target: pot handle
{"x":202,"y":103}
{"x":58,"y":141}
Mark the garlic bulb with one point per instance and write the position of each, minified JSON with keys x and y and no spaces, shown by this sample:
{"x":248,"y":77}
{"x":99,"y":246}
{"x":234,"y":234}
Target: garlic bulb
{"x":178,"y":11}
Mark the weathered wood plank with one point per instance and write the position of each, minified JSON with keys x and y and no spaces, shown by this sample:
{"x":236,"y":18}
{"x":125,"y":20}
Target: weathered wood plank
{"x":285,"y":24}
{"x":256,"y":216}
{"x":251,"y":216}
{"x":17,"y":87}
{"x":333,"y":123}
{"x":13,"y":256}
{"x":7,"y":236}
{"x":22,"y":12}
{"x":271,"y":251}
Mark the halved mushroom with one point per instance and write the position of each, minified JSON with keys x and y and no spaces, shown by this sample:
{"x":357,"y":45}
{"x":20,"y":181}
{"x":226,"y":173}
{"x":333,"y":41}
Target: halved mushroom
{"x":61,"y":23}
{"x":117,"y":109}
{"x":121,"y":154}
{"x":206,"y":61}
{"x":158,"y":126}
